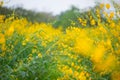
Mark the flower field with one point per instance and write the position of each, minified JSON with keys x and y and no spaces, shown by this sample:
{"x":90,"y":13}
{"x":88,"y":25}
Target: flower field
{"x":38,"y":51}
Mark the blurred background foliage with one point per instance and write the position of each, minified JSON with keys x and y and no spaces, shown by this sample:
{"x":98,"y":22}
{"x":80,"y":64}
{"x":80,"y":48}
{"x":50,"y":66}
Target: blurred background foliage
{"x":30,"y":15}
{"x":65,"y":19}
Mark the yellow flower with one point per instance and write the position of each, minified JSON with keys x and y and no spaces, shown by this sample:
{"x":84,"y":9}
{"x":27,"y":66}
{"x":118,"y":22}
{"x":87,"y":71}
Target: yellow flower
{"x":2,"y":18}
{"x":107,"y":6}
{"x":34,"y":51}
{"x":83,"y":46}
{"x":39,"y":55}
{"x":23,"y":43}
{"x":111,"y":15}
{"x":112,"y":24}
{"x":92,"y":22}
{"x":44,"y":43}
{"x":2,"y":38}
{"x":76,"y":74}
{"x":80,"y":20}
{"x":82,"y":76}
{"x":101,"y":6}
{"x":30,"y":58}
{"x":72,"y":64}
{"x":70,"y":71}
{"x":10,"y":31}
{"x":3,"y":47}
{"x":98,"y":54}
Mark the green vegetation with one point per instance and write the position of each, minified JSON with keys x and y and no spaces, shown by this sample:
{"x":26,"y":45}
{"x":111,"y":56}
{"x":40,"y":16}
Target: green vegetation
{"x":87,"y":49}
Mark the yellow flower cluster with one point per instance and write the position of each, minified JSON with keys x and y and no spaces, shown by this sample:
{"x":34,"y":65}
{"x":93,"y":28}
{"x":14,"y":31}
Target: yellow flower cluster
{"x":79,"y":53}
{"x":2,"y":18}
